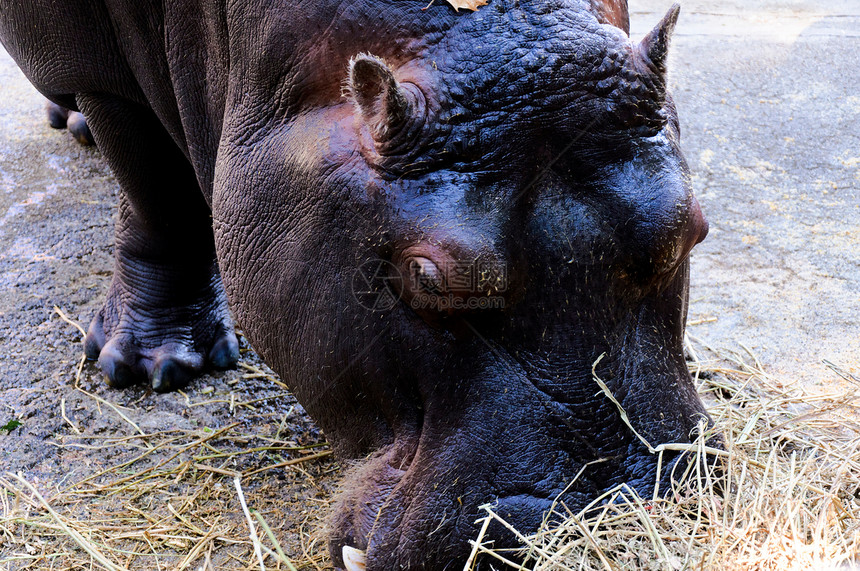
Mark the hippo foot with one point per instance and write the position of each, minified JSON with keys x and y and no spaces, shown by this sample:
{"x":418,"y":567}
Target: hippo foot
{"x":61,"y":118}
{"x":137,"y":336}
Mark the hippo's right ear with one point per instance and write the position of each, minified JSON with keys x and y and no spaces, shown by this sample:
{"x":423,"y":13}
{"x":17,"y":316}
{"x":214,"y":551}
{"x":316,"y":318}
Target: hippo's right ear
{"x":381,"y":101}
{"x":655,"y":45}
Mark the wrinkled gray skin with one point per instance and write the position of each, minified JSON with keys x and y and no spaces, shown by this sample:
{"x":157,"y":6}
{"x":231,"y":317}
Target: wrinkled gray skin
{"x":531,"y":137}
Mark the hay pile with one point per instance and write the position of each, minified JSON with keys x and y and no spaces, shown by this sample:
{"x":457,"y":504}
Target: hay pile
{"x":180,"y":512}
{"x":791,"y":479}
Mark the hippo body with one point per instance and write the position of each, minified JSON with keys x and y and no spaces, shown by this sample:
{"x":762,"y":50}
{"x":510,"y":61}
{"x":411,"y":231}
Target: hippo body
{"x":437,"y":227}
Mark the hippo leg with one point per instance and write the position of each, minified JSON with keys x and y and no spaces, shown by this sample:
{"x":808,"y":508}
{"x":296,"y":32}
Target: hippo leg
{"x":166,"y":315}
{"x":61,"y":118}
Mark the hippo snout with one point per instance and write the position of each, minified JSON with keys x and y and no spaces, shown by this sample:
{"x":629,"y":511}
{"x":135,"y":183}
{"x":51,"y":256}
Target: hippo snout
{"x":687,"y":229}
{"x":521,"y":435}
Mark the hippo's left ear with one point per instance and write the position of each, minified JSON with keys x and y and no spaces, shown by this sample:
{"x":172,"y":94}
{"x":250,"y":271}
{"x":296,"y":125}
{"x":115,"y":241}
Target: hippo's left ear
{"x":655,"y":46}
{"x":382,"y":102}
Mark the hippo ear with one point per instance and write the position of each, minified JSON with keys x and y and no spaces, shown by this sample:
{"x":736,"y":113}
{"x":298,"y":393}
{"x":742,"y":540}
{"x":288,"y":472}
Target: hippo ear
{"x":655,"y":46}
{"x":612,"y":12}
{"x":381,"y":101}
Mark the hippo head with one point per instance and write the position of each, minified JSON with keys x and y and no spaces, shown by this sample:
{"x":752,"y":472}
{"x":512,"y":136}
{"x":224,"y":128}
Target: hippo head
{"x":440,"y":233}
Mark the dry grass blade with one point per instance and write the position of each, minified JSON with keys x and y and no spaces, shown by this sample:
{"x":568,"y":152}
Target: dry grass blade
{"x":621,"y":411}
{"x":237,"y":481}
{"x":74,"y":324}
{"x":477,"y":544}
{"x":293,"y":462}
{"x":279,"y":551}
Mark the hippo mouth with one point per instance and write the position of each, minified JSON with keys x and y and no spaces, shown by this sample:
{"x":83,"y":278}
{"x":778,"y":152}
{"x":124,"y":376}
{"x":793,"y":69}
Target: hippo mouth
{"x":412,"y":505}
{"x":369,"y":556}
{"x":368,"y":486}
{"x":371,"y":527}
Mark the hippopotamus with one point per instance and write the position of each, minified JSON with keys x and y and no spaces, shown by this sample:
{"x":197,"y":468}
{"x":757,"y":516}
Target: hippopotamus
{"x":441,"y":227}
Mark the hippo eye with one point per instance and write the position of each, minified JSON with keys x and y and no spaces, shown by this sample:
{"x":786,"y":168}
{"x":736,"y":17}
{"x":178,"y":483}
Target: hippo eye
{"x":463,"y":147}
{"x":425,"y":276}
{"x":459,"y":146}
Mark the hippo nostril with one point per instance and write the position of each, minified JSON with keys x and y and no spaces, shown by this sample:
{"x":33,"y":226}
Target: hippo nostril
{"x":695,"y":232}
{"x":700,"y":223}
{"x":703,"y":231}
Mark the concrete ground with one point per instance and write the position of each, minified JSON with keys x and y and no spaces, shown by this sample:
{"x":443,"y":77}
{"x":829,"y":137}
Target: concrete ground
{"x":769,"y":98}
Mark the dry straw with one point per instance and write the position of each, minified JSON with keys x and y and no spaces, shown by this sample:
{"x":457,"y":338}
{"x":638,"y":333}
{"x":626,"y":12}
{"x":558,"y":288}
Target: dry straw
{"x":786,"y":499}
{"x":180,"y":512}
